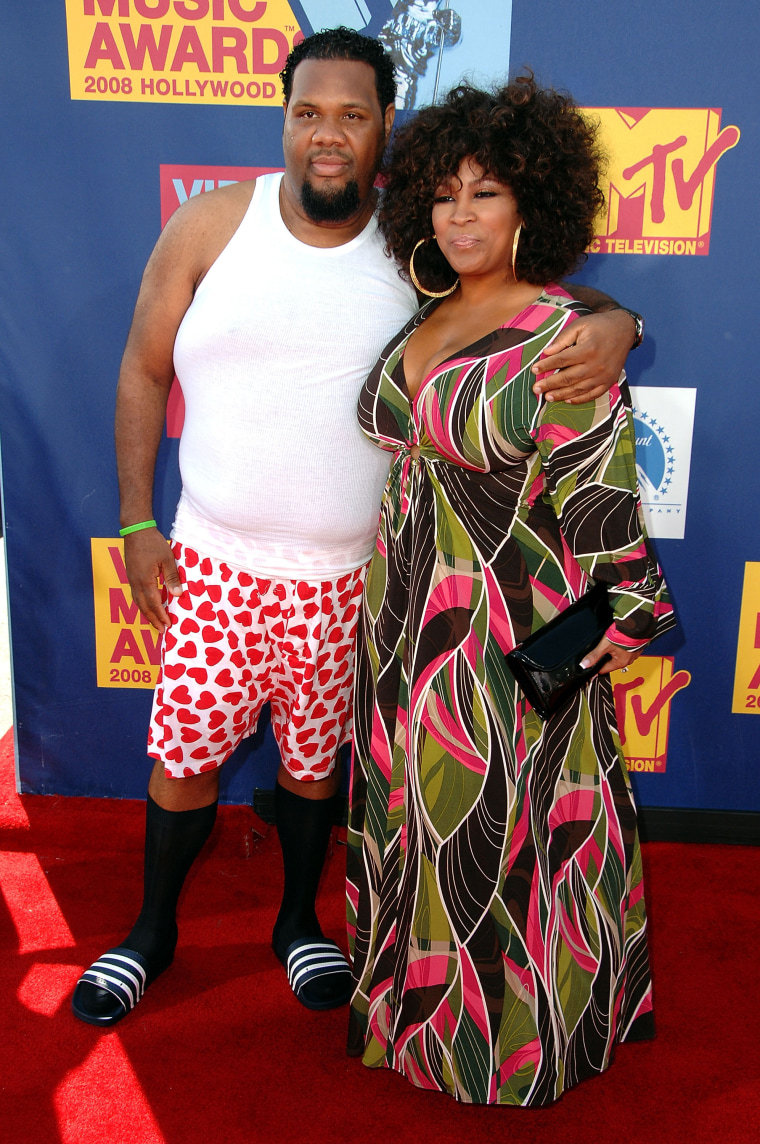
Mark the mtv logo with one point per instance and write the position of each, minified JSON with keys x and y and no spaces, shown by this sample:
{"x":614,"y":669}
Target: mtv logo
{"x":642,"y":706}
{"x":661,"y":178}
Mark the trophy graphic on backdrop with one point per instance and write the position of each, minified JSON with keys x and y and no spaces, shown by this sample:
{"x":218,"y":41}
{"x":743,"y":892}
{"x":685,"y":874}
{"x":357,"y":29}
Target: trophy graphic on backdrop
{"x":418,"y":32}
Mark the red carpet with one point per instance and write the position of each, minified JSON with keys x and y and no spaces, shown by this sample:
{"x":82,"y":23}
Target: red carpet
{"x":219,"y":1050}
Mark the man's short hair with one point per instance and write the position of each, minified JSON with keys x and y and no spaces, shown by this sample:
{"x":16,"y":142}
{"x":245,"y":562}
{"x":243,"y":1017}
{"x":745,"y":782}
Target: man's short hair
{"x":344,"y":44}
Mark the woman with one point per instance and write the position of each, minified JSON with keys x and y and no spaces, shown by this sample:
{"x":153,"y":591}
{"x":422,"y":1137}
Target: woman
{"x":495,"y":877}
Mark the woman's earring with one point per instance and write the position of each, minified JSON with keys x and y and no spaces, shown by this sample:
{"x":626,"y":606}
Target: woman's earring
{"x":515,"y":241}
{"x":418,"y":284}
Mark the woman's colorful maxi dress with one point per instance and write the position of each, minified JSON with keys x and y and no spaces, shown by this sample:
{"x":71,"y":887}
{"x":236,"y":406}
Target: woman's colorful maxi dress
{"x":496,"y":905}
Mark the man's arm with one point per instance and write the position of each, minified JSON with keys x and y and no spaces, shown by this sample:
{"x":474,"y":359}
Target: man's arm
{"x":190,"y":242}
{"x":595,"y":300}
{"x":145,"y":378}
{"x":588,"y":357}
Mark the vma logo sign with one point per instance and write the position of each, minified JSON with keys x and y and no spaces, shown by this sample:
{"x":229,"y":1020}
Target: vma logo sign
{"x":127,"y":648}
{"x":747,"y":677}
{"x":179,"y":51}
{"x":661,"y":178}
{"x":182,"y":181}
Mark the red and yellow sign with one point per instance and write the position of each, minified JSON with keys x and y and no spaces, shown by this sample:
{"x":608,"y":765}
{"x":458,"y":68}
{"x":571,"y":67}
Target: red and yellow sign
{"x":127,"y":648}
{"x":747,"y":678}
{"x":661,"y":178}
{"x":180,"y":51}
{"x":643,"y":695}
{"x":182,"y":181}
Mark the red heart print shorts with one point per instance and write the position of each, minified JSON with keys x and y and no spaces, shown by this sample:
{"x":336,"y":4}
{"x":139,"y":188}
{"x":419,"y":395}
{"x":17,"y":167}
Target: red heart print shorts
{"x":238,"y":641}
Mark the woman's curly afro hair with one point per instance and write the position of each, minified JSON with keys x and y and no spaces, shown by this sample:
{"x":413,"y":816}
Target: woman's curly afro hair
{"x":535,"y":141}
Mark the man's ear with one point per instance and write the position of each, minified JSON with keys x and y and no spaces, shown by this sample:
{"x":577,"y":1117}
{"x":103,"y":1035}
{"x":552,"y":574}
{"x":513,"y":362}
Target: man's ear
{"x":390,"y":115}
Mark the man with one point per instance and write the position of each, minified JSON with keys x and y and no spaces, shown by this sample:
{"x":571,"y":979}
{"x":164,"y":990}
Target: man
{"x":272,"y":298}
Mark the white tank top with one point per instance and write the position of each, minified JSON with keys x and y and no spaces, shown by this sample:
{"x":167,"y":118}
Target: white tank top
{"x":276,"y":475}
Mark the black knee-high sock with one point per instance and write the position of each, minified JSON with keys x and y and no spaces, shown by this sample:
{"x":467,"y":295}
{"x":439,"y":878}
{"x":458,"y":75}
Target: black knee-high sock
{"x":173,"y":840}
{"x":303,"y":827}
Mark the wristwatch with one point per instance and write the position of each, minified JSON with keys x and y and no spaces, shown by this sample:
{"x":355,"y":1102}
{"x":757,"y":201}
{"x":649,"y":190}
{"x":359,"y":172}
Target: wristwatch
{"x":638,"y":322}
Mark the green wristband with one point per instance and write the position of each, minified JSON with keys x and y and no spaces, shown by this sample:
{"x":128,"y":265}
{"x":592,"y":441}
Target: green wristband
{"x":137,"y":527}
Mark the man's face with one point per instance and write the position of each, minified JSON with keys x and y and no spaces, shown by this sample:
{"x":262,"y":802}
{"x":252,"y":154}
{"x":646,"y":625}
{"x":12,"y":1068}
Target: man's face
{"x":334,"y":136}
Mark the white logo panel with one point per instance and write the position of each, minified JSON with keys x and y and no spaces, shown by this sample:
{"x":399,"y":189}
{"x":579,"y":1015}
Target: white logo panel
{"x":663,"y":418}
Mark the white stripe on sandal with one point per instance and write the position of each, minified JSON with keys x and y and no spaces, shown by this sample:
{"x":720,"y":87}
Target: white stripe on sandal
{"x":314,"y":959}
{"x":119,"y":973}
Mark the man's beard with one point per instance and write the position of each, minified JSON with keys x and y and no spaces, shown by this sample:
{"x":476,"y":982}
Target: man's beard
{"x":335,"y":206}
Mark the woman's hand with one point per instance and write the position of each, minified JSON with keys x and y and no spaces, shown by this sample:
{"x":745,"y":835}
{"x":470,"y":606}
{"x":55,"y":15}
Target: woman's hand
{"x":619,"y":657}
{"x":586,"y":359}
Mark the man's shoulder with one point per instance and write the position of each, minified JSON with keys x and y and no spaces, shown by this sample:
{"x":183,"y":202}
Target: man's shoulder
{"x":199,"y":230}
{"x":222,"y":205}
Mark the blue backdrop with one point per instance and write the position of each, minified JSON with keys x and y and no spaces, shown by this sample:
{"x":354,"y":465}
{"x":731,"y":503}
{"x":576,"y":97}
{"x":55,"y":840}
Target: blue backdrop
{"x":80,"y":217}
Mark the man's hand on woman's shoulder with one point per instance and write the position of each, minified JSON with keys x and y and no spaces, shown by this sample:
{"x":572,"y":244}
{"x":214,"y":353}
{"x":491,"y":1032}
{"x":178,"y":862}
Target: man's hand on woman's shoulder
{"x":587,"y":358}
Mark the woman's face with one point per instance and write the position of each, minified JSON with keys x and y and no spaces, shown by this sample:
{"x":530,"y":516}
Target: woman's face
{"x":475,"y":218}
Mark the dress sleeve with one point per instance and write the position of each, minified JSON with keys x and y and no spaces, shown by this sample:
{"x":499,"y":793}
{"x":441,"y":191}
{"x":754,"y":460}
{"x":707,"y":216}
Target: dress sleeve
{"x":588,"y":456}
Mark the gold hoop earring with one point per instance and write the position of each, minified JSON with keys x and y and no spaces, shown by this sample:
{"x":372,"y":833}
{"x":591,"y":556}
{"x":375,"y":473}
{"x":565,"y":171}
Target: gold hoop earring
{"x":514,"y":249}
{"x":418,"y":284}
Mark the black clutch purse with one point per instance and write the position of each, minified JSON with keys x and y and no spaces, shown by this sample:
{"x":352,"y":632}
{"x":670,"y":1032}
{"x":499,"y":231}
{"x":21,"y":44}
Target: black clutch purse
{"x":546,"y":664}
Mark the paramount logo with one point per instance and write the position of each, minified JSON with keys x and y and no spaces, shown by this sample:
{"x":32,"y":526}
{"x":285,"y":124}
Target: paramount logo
{"x":663,"y":419}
